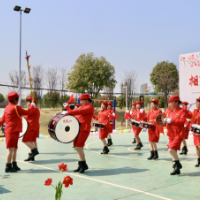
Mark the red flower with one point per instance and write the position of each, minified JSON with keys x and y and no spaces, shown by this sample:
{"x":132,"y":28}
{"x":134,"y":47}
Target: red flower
{"x":68,"y":181}
{"x":62,"y":167}
{"x":48,"y":182}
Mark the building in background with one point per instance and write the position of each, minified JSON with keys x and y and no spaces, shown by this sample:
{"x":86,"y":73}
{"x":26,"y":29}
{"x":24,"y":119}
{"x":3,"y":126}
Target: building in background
{"x":143,"y":88}
{"x":108,"y":91}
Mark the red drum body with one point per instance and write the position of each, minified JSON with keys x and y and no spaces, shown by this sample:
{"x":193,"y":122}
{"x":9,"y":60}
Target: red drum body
{"x":195,"y":128}
{"x":98,"y":125}
{"x":64,"y":128}
{"x":24,"y":127}
{"x":146,"y":125}
{"x":134,"y":123}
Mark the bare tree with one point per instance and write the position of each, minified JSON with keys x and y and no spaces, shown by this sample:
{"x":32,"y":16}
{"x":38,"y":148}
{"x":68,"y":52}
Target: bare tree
{"x":130,"y":79}
{"x":52,"y":83}
{"x":63,"y":80}
{"x":14,"y":79}
{"x":38,"y":77}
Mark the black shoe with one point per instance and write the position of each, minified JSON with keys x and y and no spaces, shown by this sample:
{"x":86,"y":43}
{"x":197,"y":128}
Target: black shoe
{"x":83,"y":166}
{"x":151,"y":155}
{"x":9,"y":168}
{"x":134,"y":141}
{"x":15,"y":167}
{"x":105,"y":150}
{"x":109,"y":142}
{"x":32,"y":155}
{"x":177,"y":168}
{"x":184,"y":151}
{"x":37,"y":152}
{"x":156,"y":155}
{"x":138,"y":147}
{"x":77,"y":170}
{"x":198,"y":163}
{"x":141,"y":145}
{"x":33,"y":159}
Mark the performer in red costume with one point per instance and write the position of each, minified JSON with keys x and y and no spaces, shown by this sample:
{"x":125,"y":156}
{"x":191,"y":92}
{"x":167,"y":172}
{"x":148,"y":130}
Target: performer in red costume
{"x":112,"y":117}
{"x":196,"y":120}
{"x":133,"y":116}
{"x":13,"y":118}
{"x":187,"y":125}
{"x":154,"y":134}
{"x":175,"y":130}
{"x":104,"y":118}
{"x":139,"y":116}
{"x":32,"y":133}
{"x":76,"y":106}
{"x":84,"y":115}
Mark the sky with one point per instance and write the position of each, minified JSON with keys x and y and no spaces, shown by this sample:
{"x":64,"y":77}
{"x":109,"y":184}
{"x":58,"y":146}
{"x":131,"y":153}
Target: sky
{"x":130,"y":34}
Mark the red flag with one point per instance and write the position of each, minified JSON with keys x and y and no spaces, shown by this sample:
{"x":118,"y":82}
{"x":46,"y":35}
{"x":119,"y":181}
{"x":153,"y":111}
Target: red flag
{"x":71,"y":99}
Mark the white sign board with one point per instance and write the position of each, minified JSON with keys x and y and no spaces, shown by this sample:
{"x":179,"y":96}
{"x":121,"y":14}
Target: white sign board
{"x":189,"y":77}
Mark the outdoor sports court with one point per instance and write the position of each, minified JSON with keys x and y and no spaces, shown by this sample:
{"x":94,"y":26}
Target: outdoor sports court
{"x":123,"y":174}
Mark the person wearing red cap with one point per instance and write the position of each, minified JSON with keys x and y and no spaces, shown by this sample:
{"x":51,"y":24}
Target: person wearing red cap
{"x":188,"y":113}
{"x":133,"y":116}
{"x":84,"y":115}
{"x":13,"y":118}
{"x":154,"y":134}
{"x":175,"y":120}
{"x":139,"y":116}
{"x":196,"y":120}
{"x":112,"y":117}
{"x":32,"y":133}
{"x":104,"y":118}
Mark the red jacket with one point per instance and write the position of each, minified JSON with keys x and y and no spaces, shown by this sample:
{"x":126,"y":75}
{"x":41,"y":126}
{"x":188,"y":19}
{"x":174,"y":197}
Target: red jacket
{"x":195,"y":117}
{"x":84,"y":115}
{"x":176,"y":127}
{"x":110,"y":114}
{"x":133,"y":114}
{"x":139,"y":116}
{"x":33,"y":120}
{"x":188,"y":115}
{"x":103,"y":117}
{"x":151,"y":118}
{"x":12,"y":117}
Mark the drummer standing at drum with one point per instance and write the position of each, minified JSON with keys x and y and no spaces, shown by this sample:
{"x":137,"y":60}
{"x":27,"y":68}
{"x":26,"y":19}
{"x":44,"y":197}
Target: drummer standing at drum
{"x":104,"y":118}
{"x":196,"y":120}
{"x":84,"y":115}
{"x":140,"y":114}
{"x":133,"y":116}
{"x":154,"y":133}
{"x":32,"y":133}
{"x":186,"y":127}
{"x":112,"y":117}
{"x":13,"y":118}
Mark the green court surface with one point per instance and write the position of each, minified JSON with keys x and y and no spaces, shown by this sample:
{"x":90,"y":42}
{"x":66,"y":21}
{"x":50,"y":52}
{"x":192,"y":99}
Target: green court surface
{"x":123,"y":174}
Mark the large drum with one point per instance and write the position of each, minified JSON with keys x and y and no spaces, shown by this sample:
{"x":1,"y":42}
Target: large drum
{"x":195,"y":128}
{"x":146,"y":125}
{"x":24,"y":127}
{"x":134,"y":123}
{"x":64,"y":128}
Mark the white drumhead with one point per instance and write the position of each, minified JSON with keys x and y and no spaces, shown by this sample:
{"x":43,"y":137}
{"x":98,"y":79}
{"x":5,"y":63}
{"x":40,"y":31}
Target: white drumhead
{"x":195,"y":126}
{"x":135,"y":121}
{"x":24,"y":127}
{"x":67,"y":129}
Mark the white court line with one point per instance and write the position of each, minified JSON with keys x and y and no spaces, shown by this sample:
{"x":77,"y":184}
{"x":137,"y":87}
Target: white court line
{"x":131,"y":157}
{"x":96,"y":180}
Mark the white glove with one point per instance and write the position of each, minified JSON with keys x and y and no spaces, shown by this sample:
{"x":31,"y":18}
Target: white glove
{"x":131,"y":112}
{"x":189,"y":106}
{"x":169,"y":121}
{"x":113,"y":114}
{"x":141,"y":110}
{"x":65,"y":104}
{"x":163,"y":111}
{"x":189,"y":120}
{"x":64,"y":112}
{"x":33,"y":104}
{"x":127,"y":111}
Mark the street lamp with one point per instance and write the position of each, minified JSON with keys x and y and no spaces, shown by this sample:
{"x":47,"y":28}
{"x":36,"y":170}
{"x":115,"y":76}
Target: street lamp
{"x":125,"y":86}
{"x":26,"y":10}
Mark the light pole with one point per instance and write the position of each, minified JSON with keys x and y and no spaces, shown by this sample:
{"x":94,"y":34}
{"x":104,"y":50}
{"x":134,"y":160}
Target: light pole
{"x":26,"y":10}
{"x":125,"y":87}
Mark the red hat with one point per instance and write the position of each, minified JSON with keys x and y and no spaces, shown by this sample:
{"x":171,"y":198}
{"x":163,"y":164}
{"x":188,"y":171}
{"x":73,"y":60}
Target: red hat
{"x":77,"y":105}
{"x":12,"y":95}
{"x":30,"y":99}
{"x":110,"y":104}
{"x":186,"y":103}
{"x":198,"y":99}
{"x":84,"y":96}
{"x":155,"y":101}
{"x":105,"y":103}
{"x":133,"y":104}
{"x":174,"y":98}
{"x":139,"y":102}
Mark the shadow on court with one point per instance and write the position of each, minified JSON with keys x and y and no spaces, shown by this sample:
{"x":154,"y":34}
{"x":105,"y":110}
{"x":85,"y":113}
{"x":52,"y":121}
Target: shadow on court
{"x":53,"y":161}
{"x":3,"y":190}
{"x":110,"y":172}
